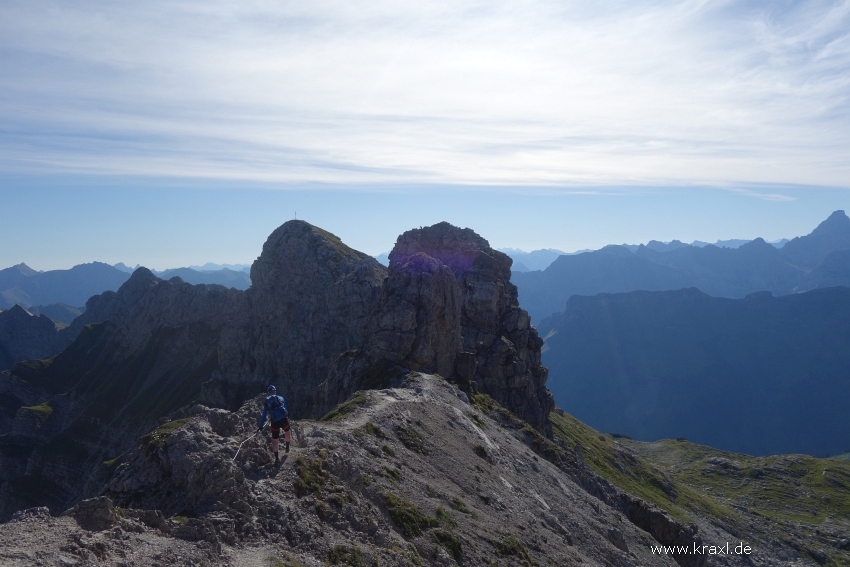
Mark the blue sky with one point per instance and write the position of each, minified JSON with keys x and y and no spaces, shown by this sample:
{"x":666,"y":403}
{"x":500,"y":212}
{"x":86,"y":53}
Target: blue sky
{"x":175,"y":133}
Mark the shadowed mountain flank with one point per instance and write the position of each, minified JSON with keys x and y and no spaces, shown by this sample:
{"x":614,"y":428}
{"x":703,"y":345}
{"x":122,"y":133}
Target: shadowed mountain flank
{"x":759,"y":375}
{"x":24,"y":336}
{"x":448,"y":307}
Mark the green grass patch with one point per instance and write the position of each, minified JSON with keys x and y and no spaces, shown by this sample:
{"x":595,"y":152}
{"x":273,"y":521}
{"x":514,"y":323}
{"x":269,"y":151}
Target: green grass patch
{"x":287,"y":561}
{"x":446,"y":517}
{"x":413,"y":555}
{"x":477,"y":420}
{"x":488,"y":406}
{"x":543,"y":446}
{"x":511,"y":546}
{"x":460,"y":506}
{"x":796,"y":488}
{"x":347,"y":556}
{"x":407,"y":517}
{"x":345,"y":408}
{"x":449,"y":542}
{"x":110,"y":464}
{"x":312,"y":476}
{"x":156,"y":438}
{"x":338,"y":500}
{"x":41,"y":412}
{"x":411,"y":438}
{"x":370,"y":428}
{"x":181,"y":520}
{"x":790,"y":494}
{"x":617,"y":466}
{"x":393,"y":474}
{"x":388,"y":450}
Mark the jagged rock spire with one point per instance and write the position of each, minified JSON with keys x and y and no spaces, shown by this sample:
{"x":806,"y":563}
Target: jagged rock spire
{"x":448,"y":307}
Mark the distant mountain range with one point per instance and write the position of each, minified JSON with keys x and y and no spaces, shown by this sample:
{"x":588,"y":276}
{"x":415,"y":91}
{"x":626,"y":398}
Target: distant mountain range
{"x":543,"y":258}
{"x":22,"y":285}
{"x":208,"y":267}
{"x":225,"y":276}
{"x":59,"y":312}
{"x":759,"y":375}
{"x":820,"y":259}
{"x":529,"y":261}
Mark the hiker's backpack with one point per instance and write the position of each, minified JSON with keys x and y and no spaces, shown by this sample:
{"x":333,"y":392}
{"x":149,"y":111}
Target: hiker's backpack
{"x":277,"y":407}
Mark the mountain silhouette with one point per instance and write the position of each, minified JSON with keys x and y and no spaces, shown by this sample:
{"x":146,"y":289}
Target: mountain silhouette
{"x":808,"y":262}
{"x":21,"y":284}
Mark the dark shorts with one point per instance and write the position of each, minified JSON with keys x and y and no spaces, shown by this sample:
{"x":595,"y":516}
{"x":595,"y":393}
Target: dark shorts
{"x":278,"y":425}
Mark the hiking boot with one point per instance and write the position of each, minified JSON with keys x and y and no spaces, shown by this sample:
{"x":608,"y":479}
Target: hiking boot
{"x":287,"y":447}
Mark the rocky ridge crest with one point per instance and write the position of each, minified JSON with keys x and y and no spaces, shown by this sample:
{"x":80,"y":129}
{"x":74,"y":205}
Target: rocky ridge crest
{"x":401,"y":476}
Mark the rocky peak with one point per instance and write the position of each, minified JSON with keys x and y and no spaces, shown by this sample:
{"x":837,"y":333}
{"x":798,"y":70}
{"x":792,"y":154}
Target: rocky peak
{"x":24,"y":269}
{"x":837,"y":222}
{"x":310,"y":297}
{"x":831,"y":235}
{"x":18,"y":312}
{"x":457,"y":248}
{"x":298,"y":252}
{"x":139,"y":283}
{"x":448,"y":307}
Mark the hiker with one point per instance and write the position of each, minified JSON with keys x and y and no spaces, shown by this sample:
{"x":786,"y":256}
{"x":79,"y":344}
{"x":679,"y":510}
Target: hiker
{"x":275,"y":408}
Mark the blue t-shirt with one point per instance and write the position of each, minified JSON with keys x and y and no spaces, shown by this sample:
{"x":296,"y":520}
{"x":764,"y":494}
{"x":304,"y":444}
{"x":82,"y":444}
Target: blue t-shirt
{"x":274,"y":408}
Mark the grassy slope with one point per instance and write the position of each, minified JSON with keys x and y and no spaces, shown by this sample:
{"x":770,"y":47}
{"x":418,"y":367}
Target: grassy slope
{"x":793,"y":498}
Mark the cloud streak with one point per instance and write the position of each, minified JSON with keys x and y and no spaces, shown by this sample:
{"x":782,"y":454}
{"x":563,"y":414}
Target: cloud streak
{"x":531,"y":93}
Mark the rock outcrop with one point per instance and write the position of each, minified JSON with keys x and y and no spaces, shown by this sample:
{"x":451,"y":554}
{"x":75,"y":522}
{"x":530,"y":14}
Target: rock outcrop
{"x":448,"y":307}
{"x":310,"y":298}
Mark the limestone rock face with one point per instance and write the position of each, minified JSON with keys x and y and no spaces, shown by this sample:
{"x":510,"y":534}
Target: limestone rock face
{"x":448,"y":307}
{"x":146,"y":303}
{"x":310,"y":298}
{"x":417,"y":323}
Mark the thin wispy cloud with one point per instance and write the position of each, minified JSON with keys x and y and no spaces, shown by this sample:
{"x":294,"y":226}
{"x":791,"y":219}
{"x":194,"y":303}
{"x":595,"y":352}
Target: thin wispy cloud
{"x":521,"y":93}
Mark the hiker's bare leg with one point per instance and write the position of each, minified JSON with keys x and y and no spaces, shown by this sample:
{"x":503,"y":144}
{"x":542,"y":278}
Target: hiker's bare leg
{"x":286,"y":436}
{"x":275,"y":445}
